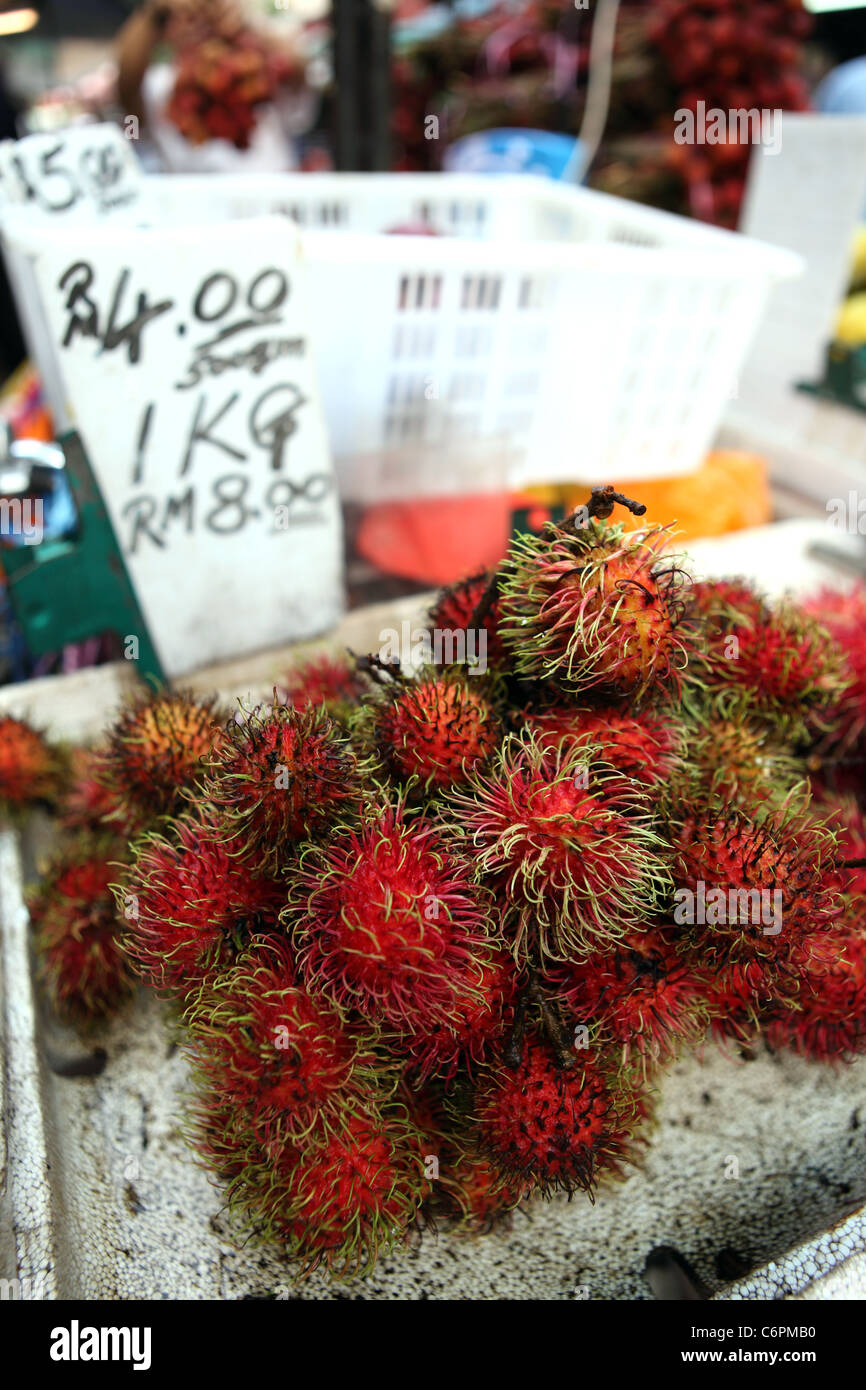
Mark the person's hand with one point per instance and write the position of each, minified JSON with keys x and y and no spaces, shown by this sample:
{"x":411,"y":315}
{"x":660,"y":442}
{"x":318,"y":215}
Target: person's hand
{"x":183,"y":22}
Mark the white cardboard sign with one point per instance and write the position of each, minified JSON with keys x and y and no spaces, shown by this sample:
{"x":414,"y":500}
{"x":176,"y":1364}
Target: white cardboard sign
{"x":187,"y":365}
{"x":84,"y":171}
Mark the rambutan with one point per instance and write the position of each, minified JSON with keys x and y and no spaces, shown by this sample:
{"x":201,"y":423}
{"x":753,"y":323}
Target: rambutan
{"x":592,"y":609}
{"x":842,"y":613}
{"x":30,"y":770}
{"x":87,"y":804}
{"x":786,"y":666}
{"x":281,"y":774}
{"x":436,"y":728}
{"x":556,"y":1128}
{"x":828,"y":1021}
{"x":483,"y":1013}
{"x":645,"y":996}
{"x":479,"y":1197}
{"x":78,"y":933}
{"x":355,"y":1193}
{"x":332,"y":681}
{"x":454,"y":612}
{"x":156,"y":751}
{"x":269,"y":1050}
{"x":754,"y":888}
{"x":732,"y":753}
{"x":189,"y":906}
{"x":571,"y":867}
{"x":388,"y":921}
{"x":643,"y":746}
{"x":350,"y":1192}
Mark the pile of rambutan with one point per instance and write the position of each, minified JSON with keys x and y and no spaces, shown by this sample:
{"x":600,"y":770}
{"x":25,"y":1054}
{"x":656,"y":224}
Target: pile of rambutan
{"x":223,"y":79}
{"x":434,"y":932}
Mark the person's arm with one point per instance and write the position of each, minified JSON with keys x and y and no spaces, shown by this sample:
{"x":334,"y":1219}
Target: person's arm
{"x":137,"y":39}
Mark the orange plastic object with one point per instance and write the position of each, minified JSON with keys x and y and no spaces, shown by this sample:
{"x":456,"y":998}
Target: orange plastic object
{"x":436,"y":540}
{"x":729,"y":492}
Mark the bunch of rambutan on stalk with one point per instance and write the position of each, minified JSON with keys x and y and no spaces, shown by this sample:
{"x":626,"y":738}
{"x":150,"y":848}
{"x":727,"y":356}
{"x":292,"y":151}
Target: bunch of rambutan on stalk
{"x":222,"y":80}
{"x":433,"y":935}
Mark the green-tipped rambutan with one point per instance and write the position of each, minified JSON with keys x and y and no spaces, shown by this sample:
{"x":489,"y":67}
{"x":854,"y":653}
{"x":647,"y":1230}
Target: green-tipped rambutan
{"x":646,"y":998}
{"x":189,"y":906}
{"x":81,"y":964}
{"x":556,"y":1128}
{"x":388,"y":921}
{"x":435,"y":729}
{"x":593,"y":609}
{"x":272,"y":1052}
{"x":31,"y":771}
{"x":574,"y":862}
{"x":279,"y":775}
{"x":732,"y":753}
{"x":155,"y":753}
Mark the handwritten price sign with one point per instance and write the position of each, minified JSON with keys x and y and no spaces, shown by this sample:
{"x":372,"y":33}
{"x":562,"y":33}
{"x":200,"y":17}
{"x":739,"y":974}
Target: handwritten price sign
{"x":186,"y":360}
{"x":90,"y":170}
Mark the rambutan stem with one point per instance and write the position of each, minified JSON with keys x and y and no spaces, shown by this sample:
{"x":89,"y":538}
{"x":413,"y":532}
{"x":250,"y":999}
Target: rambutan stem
{"x":557,"y":1034}
{"x":602,"y":501}
{"x":382,"y":672}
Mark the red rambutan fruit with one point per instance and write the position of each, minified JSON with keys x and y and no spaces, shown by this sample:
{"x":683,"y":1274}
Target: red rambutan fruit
{"x":482,"y":1015}
{"x":436,"y":728}
{"x":644,"y":746}
{"x":480,"y":1198}
{"x":828,"y":1022}
{"x":332,"y":681}
{"x":155,"y":752}
{"x":87,"y":804}
{"x":387,"y":920}
{"x":755,"y":888}
{"x":350,"y":1191}
{"x":574,"y":869}
{"x":189,"y":906}
{"x":77,"y":931}
{"x":356,"y":1193}
{"x":30,"y":770}
{"x":645,"y":996}
{"x":842,"y":613}
{"x":591,"y":610}
{"x":268,"y":1049}
{"x":556,"y":1128}
{"x":279,"y":775}
{"x":786,"y":666}
{"x":454,"y":612}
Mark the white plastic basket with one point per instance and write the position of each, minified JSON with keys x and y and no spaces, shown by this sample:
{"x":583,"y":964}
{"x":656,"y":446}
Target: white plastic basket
{"x":546,"y":332}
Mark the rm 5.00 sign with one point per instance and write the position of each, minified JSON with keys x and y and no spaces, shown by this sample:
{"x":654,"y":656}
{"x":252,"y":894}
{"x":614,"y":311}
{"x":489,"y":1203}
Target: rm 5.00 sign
{"x":186,"y":360}
{"x":88,"y":170}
